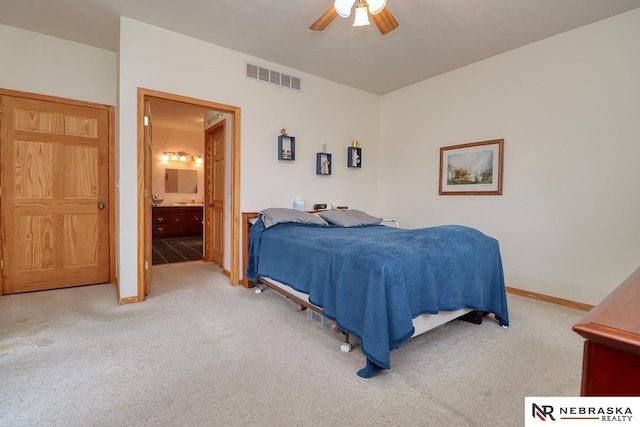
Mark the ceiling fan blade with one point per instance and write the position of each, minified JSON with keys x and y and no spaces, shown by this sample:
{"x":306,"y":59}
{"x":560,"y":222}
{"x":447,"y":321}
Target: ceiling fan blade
{"x":326,"y":18}
{"x":384,"y":21}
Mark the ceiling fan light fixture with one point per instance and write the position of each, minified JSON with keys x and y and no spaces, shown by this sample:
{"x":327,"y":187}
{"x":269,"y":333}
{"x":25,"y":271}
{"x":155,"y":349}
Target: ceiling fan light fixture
{"x":343,"y":7}
{"x":362,"y":15}
{"x":380,"y":15}
{"x":376,"y":6}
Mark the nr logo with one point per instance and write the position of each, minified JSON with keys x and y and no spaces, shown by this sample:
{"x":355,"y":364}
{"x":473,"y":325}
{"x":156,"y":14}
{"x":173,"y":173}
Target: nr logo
{"x":542,"y":412}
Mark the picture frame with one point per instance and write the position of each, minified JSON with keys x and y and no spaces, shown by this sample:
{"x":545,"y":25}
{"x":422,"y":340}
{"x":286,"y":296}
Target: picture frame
{"x":472,"y":169}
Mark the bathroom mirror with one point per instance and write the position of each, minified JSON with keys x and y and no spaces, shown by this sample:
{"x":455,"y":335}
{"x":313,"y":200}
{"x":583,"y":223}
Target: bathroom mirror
{"x":181,"y":181}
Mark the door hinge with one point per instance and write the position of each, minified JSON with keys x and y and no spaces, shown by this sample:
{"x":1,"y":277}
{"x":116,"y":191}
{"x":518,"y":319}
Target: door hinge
{"x":1,"y":265}
{"x":146,"y":265}
{"x":146,"y":120}
{"x":146,"y":193}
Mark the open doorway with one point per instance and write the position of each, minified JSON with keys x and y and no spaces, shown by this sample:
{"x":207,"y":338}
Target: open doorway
{"x":230,"y":117}
{"x":177,"y":181}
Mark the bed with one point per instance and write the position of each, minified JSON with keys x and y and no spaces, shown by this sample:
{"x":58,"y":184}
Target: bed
{"x":377,"y":282}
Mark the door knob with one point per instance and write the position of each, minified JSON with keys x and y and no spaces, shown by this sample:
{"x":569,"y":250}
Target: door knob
{"x":100,"y":205}
{"x":212,"y":205}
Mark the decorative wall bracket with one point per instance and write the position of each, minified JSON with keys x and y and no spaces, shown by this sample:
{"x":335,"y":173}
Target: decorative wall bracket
{"x":354,"y":155}
{"x":286,"y":146}
{"x":323,"y":162}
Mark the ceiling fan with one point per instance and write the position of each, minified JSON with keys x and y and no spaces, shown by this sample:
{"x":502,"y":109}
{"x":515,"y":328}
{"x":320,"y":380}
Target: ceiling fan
{"x":377,"y":9}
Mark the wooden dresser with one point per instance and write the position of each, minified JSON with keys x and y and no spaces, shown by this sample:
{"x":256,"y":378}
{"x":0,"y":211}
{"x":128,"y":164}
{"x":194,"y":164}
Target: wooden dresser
{"x":177,"y":221}
{"x":611,"y":365}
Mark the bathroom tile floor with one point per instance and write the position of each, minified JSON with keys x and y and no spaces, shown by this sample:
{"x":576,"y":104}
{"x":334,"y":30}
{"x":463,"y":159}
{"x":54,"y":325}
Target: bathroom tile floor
{"x":178,"y":249}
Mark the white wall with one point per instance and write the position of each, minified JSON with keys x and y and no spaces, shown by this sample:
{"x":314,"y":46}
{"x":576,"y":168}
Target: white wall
{"x":32,"y":62}
{"x":568,"y":108}
{"x":323,"y":112}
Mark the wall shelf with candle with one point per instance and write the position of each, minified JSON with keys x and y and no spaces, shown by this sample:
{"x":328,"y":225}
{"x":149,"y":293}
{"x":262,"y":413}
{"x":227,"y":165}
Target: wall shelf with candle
{"x":354,"y":155}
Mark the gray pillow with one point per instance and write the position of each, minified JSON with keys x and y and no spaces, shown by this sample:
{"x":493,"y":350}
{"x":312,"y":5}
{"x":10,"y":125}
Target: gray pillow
{"x":273,"y":216}
{"x":349,"y":218}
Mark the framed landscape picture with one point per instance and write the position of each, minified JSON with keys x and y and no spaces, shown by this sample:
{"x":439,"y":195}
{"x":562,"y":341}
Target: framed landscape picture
{"x":474,"y":168}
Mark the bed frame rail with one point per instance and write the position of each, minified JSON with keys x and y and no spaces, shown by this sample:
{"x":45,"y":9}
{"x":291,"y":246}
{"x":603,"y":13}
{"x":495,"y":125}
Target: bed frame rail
{"x":303,"y":301}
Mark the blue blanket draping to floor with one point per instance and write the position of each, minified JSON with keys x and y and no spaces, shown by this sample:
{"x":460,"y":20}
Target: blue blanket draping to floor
{"x":373,"y":280}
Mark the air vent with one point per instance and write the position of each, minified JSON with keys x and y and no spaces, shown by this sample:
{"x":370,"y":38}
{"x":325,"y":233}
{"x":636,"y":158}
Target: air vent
{"x":252,"y":71}
{"x":263,"y":74}
{"x":256,"y":72}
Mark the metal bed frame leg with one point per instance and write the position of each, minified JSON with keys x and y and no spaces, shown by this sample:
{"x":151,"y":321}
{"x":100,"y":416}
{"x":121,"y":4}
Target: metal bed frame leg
{"x":345,"y":347}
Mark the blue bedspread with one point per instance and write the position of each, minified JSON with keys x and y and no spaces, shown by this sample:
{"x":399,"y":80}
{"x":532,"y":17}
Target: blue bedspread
{"x":373,"y":280}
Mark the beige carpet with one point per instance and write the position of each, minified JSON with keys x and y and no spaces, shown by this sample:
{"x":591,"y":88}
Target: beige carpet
{"x":201,"y":352}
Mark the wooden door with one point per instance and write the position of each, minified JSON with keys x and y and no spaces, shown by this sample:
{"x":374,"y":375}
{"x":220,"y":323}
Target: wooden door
{"x":148,"y":199}
{"x":214,"y":198}
{"x":55,"y":201}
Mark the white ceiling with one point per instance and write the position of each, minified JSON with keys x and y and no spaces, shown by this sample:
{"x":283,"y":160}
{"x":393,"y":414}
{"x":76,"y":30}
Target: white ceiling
{"x":435,"y":36}
{"x":174,"y":115}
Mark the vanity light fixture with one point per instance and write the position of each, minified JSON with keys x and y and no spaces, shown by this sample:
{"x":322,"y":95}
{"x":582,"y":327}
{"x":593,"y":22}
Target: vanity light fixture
{"x":181,"y":156}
